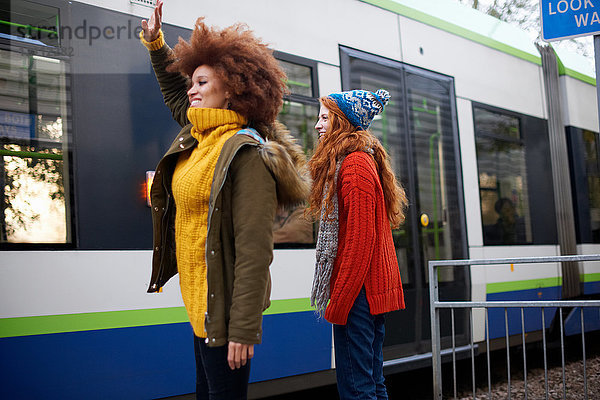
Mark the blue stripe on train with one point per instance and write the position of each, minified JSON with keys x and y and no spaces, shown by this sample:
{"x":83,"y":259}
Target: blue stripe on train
{"x":147,"y":362}
{"x":533,"y":316}
{"x":591,"y":316}
{"x":292,"y":344}
{"x":591,"y":287}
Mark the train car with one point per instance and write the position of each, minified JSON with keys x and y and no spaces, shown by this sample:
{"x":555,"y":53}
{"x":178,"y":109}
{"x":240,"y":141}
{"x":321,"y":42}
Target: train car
{"x":82,"y":121}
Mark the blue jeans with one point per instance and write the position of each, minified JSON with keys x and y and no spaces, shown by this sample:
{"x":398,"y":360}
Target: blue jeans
{"x":214,"y":379}
{"x":359,"y":353}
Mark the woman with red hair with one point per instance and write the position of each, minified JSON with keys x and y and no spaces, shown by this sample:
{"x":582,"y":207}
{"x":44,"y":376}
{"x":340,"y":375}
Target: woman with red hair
{"x":216,"y":190}
{"x":358,"y":200}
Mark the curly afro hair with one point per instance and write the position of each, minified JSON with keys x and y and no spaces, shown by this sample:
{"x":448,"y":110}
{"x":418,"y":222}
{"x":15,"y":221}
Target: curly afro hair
{"x":244,"y":64}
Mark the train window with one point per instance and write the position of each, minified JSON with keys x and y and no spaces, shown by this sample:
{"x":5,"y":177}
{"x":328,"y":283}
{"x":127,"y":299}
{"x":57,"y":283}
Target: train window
{"x":591,"y":142}
{"x":503,"y":184}
{"x":300,"y":119}
{"x":33,"y":150}
{"x":431,"y":127}
{"x":584,"y":163}
{"x":299,"y":78}
{"x":29,"y":23}
{"x":299,"y":112}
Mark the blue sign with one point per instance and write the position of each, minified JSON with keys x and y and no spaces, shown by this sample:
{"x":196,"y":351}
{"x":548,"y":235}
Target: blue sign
{"x":562,"y":19}
{"x":16,"y":125}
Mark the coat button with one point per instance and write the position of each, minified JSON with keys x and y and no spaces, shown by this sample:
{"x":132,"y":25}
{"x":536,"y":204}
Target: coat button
{"x":214,"y":340}
{"x":156,"y":248}
{"x":212,"y":252}
{"x":182,"y":146}
{"x":156,"y":209}
{"x":181,"y":139}
{"x":217,"y":209}
{"x":206,"y":340}
{"x":212,"y":295}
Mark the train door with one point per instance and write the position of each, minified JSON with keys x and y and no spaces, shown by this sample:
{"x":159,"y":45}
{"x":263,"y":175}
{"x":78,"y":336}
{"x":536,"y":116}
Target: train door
{"x":419,"y":130}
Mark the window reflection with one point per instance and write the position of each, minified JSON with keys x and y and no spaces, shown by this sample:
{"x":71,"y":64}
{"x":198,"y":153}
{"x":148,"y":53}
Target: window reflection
{"x":387,"y":128}
{"x":292,"y":228}
{"x":33,"y":148}
{"x":434,"y":161}
{"x":592,"y":162}
{"x":300,"y":119}
{"x":299,"y":78}
{"x":34,"y":208}
{"x":502,"y":178}
{"x":30,"y":23}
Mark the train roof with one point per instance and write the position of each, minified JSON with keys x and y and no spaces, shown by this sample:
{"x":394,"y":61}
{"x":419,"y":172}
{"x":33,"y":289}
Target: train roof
{"x":474,"y":25}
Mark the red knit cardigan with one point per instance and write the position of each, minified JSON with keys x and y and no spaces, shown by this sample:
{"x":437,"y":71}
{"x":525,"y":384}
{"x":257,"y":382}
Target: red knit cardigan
{"x":366,"y":254}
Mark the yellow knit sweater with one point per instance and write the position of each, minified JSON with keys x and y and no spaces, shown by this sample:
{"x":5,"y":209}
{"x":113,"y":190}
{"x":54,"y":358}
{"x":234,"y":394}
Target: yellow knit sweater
{"x":191,"y":185}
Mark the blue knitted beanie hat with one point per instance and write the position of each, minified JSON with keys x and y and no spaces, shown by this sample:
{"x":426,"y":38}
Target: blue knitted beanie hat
{"x":361,"y":106}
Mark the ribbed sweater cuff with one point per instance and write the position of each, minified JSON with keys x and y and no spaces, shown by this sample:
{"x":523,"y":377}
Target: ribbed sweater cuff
{"x":337,"y":315}
{"x":386,"y":302}
{"x":155,"y":44}
{"x":378,"y":304}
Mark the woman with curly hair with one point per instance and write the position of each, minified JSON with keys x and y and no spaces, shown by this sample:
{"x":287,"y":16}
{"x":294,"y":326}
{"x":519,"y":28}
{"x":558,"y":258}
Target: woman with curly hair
{"x":216,"y":190}
{"x":358,"y":200}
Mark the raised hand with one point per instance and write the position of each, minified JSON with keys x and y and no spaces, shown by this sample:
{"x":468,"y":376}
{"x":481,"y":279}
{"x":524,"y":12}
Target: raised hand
{"x":152,"y":27}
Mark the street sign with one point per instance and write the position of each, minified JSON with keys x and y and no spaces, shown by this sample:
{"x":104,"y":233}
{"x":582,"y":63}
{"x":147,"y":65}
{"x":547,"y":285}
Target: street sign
{"x":563,"y":19}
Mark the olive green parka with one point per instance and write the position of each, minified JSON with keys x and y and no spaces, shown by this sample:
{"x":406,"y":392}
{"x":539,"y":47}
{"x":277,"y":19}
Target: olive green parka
{"x":251,"y":179}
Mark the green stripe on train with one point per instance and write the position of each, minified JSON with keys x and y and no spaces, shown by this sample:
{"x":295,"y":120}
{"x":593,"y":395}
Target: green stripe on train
{"x":43,"y":325}
{"x":466,"y":33}
{"x":513,"y":286}
{"x":590,"y":277}
{"x":288,"y":306}
{"x":455,"y":29}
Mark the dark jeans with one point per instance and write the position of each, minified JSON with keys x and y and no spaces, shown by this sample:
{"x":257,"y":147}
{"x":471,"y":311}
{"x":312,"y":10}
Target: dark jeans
{"x":214,"y":379}
{"x":359,"y":353}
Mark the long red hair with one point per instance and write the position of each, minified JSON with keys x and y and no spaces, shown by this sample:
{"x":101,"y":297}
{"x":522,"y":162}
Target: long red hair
{"x":343,"y":138}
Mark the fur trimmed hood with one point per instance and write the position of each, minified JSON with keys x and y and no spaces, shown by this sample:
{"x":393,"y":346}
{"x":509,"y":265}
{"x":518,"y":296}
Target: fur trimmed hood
{"x":287,"y":162}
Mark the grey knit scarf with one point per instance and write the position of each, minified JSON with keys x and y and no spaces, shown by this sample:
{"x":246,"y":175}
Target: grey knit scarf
{"x":327,"y":245}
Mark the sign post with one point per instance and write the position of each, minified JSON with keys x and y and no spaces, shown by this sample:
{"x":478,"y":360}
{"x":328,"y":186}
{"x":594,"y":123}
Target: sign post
{"x":564,"y":19}
{"x":597,"y":59}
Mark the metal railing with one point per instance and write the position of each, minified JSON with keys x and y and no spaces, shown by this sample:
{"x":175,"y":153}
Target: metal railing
{"x":436,"y":305}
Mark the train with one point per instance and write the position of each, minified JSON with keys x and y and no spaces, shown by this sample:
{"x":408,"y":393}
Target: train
{"x":468,"y":130}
